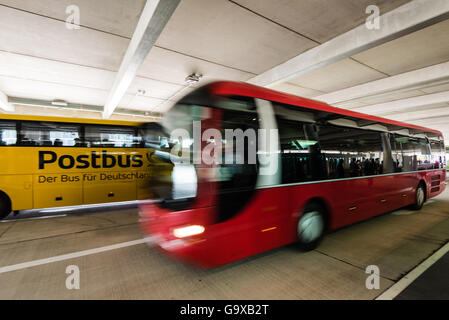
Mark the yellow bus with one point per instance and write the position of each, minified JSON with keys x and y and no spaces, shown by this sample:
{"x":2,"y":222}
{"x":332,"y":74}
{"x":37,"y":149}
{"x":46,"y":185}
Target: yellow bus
{"x":55,"y":162}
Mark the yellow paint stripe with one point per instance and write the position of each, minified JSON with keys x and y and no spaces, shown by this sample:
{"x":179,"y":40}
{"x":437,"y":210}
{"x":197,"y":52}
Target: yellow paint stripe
{"x":269,"y":229}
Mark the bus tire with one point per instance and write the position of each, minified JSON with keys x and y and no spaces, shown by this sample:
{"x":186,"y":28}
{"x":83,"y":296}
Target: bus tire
{"x":5,"y":206}
{"x":420,"y":197}
{"x":311,"y":226}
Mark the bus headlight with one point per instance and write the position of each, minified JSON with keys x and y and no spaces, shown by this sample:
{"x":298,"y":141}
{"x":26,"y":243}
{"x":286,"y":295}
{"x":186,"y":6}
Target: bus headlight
{"x":188,"y":231}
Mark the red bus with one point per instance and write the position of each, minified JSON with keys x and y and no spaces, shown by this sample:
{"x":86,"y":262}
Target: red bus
{"x":334,"y":167}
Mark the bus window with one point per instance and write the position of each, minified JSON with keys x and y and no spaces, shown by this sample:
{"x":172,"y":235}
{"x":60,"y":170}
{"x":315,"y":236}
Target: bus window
{"x":414,"y":152}
{"x":409,"y":147}
{"x":49,"y":134}
{"x":437,"y":149}
{"x":445,"y":156}
{"x":396,"y":153}
{"x":8,"y":133}
{"x":175,"y":182}
{"x":352,"y":152}
{"x":153,"y":135}
{"x":423,"y":154}
{"x":236,"y":180}
{"x":111,"y":137}
{"x":300,"y":152}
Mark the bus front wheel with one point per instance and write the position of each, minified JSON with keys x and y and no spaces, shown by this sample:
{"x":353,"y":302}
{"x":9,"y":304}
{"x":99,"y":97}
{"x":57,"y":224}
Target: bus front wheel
{"x":420,"y":197}
{"x":5,"y":206}
{"x":311,"y":225}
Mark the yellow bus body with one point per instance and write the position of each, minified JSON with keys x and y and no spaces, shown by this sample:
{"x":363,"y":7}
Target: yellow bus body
{"x":42,"y":177}
{"x":29,"y":186}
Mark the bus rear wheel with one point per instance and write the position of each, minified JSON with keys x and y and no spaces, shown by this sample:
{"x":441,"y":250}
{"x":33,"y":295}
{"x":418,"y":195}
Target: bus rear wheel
{"x":5,"y":206}
{"x":311,"y":225}
{"x":420,"y":197}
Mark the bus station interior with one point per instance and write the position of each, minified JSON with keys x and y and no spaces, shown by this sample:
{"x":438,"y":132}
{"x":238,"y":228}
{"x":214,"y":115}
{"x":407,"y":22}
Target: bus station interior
{"x":317,"y":49}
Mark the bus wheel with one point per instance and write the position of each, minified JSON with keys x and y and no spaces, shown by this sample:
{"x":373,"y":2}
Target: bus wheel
{"x":5,"y":206}
{"x":420,"y":197}
{"x":310,"y":228}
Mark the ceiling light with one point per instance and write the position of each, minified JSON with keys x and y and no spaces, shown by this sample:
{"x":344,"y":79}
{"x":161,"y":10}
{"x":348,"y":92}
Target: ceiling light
{"x":193,"y":78}
{"x":59,"y":103}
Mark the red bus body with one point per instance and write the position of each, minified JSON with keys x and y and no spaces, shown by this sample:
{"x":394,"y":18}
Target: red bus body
{"x":270,"y":220}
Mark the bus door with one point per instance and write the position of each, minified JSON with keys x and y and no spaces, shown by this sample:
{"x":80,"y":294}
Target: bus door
{"x":235,"y":177}
{"x":245,"y":209}
{"x":272,"y":216}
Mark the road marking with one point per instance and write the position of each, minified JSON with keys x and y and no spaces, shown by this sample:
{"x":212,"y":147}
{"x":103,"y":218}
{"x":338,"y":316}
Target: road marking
{"x":400,"y":286}
{"x":72,"y":255}
{"x":35,"y":218}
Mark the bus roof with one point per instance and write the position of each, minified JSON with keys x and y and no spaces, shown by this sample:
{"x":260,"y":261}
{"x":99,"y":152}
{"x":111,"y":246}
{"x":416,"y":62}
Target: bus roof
{"x":68,"y":120}
{"x":328,"y":112}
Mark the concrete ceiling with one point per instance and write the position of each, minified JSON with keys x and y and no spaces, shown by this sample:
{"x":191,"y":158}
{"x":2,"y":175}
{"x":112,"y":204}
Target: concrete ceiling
{"x":420,"y":49}
{"x":318,"y":20}
{"x":339,"y":75}
{"x":220,"y":39}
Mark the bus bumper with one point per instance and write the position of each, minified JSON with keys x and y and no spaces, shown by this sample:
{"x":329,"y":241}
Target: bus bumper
{"x":158,"y":225}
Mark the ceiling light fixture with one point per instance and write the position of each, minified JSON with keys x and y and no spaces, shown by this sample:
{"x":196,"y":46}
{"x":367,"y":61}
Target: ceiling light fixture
{"x":59,"y":103}
{"x":193,"y":78}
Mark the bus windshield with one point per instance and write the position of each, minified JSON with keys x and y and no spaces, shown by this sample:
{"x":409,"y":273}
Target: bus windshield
{"x":232,"y":166}
{"x":178,"y":123}
{"x":173,"y":144}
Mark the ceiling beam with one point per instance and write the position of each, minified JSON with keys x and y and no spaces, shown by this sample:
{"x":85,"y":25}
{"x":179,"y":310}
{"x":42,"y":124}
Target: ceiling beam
{"x":153,"y":19}
{"x":408,"y":18}
{"x":412,"y":80}
{"x":433,"y":122}
{"x":4,"y":104}
{"x":425,"y":114}
{"x":405,"y":104}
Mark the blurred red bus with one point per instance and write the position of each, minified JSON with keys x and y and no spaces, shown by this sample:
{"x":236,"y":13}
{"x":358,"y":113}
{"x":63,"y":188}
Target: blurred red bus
{"x":334,"y":167}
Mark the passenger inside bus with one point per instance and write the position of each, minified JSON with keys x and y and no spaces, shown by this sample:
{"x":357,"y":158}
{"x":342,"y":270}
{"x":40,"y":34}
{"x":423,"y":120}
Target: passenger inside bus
{"x":57,"y":143}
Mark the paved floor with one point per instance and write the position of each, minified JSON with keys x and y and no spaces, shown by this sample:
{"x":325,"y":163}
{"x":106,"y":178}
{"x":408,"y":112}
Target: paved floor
{"x":395,"y":242}
{"x":433,"y":284}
